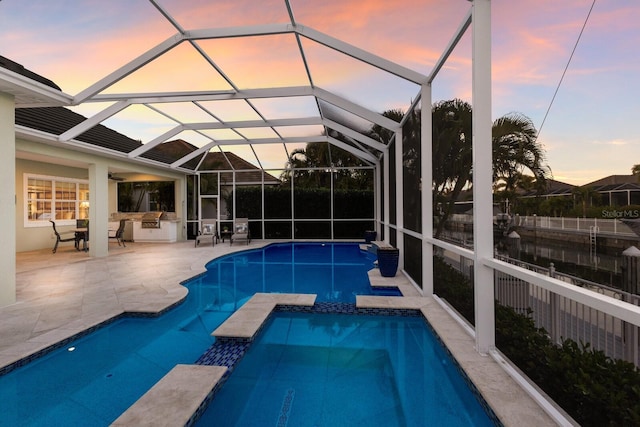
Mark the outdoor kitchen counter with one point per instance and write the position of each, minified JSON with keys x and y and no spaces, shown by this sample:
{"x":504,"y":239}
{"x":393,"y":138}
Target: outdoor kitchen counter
{"x":167,"y":232}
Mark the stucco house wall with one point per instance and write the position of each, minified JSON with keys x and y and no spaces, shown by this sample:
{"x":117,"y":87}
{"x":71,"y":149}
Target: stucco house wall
{"x":31,"y":237}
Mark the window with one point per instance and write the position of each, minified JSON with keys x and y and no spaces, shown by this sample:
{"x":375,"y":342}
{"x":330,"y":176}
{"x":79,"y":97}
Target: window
{"x":52,"y":198}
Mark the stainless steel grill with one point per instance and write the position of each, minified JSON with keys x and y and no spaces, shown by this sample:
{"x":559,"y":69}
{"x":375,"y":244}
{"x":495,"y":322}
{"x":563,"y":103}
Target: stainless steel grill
{"x":151,"y":220}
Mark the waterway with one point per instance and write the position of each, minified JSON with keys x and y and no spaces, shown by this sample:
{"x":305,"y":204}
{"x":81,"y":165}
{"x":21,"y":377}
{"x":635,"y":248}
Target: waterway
{"x":601,"y":267}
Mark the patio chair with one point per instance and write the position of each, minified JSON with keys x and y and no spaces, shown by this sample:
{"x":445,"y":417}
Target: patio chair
{"x":208,"y":229}
{"x":63,"y":238}
{"x":119,"y":233}
{"x":240,"y":231}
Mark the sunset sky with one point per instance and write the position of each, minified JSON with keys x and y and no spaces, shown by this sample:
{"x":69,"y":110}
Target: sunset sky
{"x":591,"y":130}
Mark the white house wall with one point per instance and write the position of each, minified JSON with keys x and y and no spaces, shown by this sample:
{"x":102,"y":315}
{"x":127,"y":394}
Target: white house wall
{"x":34,"y":238}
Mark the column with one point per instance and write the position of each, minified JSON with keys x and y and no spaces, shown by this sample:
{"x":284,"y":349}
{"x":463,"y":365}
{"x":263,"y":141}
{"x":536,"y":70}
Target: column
{"x":399,"y":199}
{"x":426,"y":174}
{"x":482,"y":176}
{"x":7,"y":199}
{"x":98,"y":210}
{"x":386,"y":184}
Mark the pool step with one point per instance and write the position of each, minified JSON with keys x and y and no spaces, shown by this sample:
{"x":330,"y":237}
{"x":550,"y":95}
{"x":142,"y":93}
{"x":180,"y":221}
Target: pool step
{"x":174,"y":399}
{"x":247,"y":321}
{"x":399,"y":281}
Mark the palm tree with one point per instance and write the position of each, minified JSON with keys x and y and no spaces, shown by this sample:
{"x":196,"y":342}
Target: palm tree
{"x":515,"y":152}
{"x":322,"y":157}
{"x":584,"y":195}
{"x":635,"y":170}
{"x":451,"y":155}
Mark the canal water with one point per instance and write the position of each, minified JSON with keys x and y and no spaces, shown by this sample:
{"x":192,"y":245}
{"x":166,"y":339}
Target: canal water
{"x":598,"y":266}
{"x":574,"y":260}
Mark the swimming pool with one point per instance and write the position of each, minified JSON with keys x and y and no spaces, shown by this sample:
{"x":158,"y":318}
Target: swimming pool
{"x":338,"y":369}
{"x":336,"y":272}
{"x":92,"y":380}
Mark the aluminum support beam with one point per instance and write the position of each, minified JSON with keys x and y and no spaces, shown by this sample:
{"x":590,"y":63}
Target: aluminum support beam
{"x":370,"y":142}
{"x":426,"y":174}
{"x":361,"y":55}
{"x":244,"y":31}
{"x":356,"y":109}
{"x":93,"y":120}
{"x":451,"y":46}
{"x":156,"y":141}
{"x":129,"y":68}
{"x":206,"y":95}
{"x":482,"y":177}
{"x":353,"y":150}
{"x":193,"y":154}
{"x":387,"y":185}
{"x":377,"y":223}
{"x":399,"y":182}
{"x":244,"y":124}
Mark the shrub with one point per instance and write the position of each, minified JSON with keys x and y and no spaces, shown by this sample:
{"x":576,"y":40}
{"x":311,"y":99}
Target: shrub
{"x":454,"y":287}
{"x":593,"y":388}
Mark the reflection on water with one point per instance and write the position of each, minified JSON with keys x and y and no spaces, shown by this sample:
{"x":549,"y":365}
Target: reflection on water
{"x":576,"y":260}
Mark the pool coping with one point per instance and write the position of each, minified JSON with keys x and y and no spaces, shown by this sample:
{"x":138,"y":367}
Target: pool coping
{"x":174,"y":399}
{"x":506,"y":401}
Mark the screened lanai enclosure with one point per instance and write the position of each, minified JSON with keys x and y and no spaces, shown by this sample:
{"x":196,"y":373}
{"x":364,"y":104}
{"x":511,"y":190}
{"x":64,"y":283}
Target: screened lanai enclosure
{"x":284,"y":115}
{"x":261,"y":118}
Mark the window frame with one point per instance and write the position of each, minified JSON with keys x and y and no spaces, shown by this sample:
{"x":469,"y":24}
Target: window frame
{"x":81,"y":194}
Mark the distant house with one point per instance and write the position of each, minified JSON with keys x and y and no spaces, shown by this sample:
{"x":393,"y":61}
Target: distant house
{"x":617,"y":190}
{"x":614,"y":190}
{"x":214,"y":161}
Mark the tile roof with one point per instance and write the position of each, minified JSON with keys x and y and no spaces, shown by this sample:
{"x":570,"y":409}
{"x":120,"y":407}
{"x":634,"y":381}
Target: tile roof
{"x":614,"y":179}
{"x":18,"y":68}
{"x":57,"y":120}
{"x":216,"y":161}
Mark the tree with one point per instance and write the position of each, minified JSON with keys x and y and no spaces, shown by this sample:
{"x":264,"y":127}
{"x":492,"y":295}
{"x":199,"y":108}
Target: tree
{"x":584,"y":196}
{"x":516,"y":153}
{"x":635,"y":170}
{"x":514,"y":146}
{"x":310,"y":167}
{"x":451,"y":155}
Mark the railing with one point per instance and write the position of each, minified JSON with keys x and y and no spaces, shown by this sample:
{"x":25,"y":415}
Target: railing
{"x":602,"y":225}
{"x":561,"y":316}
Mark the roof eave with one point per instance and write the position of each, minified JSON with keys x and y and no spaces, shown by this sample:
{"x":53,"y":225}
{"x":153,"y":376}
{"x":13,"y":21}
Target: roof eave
{"x":30,"y":93}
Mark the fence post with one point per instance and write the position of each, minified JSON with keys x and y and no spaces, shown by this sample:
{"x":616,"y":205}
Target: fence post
{"x":630,"y":283}
{"x":554,"y":311}
{"x":630,"y":334}
{"x":631,"y":270}
{"x":513,"y":240}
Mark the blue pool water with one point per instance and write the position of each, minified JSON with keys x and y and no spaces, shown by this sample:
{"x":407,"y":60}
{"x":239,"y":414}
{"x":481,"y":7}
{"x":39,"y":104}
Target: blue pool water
{"x":345,"y":370}
{"x":91,"y":381}
{"x":335,"y":272}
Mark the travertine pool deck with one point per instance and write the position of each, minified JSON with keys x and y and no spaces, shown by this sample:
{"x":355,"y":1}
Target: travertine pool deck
{"x":174,"y":399}
{"x":62,"y":294}
{"x":247,"y":321}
